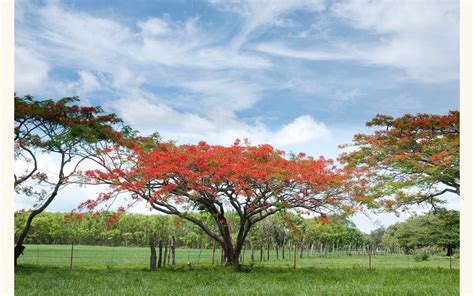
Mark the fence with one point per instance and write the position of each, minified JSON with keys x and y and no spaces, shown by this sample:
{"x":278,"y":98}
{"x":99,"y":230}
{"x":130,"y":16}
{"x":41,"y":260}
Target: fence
{"x":106,"y":257}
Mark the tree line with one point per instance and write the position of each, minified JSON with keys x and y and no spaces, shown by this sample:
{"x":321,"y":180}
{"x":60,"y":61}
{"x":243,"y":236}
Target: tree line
{"x":279,"y":233}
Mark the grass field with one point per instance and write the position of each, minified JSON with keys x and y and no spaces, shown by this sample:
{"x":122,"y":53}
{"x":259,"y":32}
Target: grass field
{"x":44,"y":270}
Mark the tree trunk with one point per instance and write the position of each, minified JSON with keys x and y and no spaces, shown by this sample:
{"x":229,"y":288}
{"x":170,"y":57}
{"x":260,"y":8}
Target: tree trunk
{"x":173,"y":250}
{"x":152,"y":254}
{"x":261,"y":253}
{"x":19,"y":244}
{"x":19,"y":248}
{"x":160,"y":252}
{"x":165,"y":254}
{"x":294,"y":257}
{"x":276,"y":249}
{"x":449,"y":250}
{"x":222,"y":256}
{"x":252,"y":252}
{"x":169,"y":253}
{"x":268,"y":252}
{"x":301,"y":248}
{"x":283,"y":250}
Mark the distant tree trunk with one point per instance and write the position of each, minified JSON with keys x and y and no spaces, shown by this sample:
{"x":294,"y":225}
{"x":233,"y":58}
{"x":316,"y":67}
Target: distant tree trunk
{"x":370,"y":256}
{"x":283,"y":250}
{"x":152,"y":254}
{"x":165,"y":254}
{"x":169,"y":253}
{"x":321,"y":250}
{"x":294,"y":257}
{"x":276,"y":249}
{"x":173,"y":250}
{"x":261,"y":252}
{"x":160,"y":252}
{"x":311,"y":251}
{"x":301,"y":248}
{"x":252,"y":252}
{"x":213,"y":251}
{"x":268,"y":251}
{"x":449,"y":250}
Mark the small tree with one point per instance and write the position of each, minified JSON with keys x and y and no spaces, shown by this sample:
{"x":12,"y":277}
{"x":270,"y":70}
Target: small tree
{"x":255,"y":182}
{"x":410,"y":160}
{"x":59,"y":129}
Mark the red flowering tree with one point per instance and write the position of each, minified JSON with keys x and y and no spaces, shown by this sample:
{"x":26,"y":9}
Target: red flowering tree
{"x":252,"y":181}
{"x":67,"y":133}
{"x":412,"y":159}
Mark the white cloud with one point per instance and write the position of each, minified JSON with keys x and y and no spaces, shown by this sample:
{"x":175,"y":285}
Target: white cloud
{"x":263,"y":13}
{"x":422,"y":36}
{"x":419,"y":37}
{"x":31,"y":71}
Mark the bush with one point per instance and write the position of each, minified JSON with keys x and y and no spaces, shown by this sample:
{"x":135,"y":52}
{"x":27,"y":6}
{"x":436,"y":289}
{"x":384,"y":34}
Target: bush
{"x":422,"y":256}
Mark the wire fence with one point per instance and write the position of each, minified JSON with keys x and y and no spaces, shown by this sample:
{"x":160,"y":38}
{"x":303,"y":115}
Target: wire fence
{"x":107,"y":257}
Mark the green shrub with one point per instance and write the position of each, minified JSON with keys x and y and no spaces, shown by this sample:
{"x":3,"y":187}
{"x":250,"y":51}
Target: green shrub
{"x":422,"y":255}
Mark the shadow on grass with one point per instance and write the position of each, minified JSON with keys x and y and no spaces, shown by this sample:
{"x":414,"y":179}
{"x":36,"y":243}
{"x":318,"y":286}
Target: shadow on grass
{"x":186,"y":268}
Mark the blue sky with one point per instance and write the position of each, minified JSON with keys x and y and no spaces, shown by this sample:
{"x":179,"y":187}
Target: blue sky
{"x":301,"y":75}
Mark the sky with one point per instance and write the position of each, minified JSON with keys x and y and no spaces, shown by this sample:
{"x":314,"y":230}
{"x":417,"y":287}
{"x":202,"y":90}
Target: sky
{"x":300,"y":75}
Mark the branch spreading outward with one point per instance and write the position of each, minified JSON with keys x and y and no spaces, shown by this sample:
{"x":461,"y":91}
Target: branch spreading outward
{"x":411,"y":160}
{"x":253,"y":181}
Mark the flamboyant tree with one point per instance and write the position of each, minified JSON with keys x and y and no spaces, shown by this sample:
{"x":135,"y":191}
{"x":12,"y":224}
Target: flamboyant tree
{"x":252,"y":181}
{"x":63,"y":131}
{"x":412,"y":159}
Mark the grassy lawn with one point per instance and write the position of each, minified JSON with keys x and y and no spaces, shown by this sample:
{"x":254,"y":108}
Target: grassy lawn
{"x":44,"y":270}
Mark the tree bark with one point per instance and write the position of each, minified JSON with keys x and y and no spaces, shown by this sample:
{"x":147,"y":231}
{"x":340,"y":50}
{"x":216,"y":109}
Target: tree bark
{"x":160,"y":252}
{"x":252,"y":252}
{"x":173,"y":250}
{"x":165,"y":254}
{"x":152,"y":254}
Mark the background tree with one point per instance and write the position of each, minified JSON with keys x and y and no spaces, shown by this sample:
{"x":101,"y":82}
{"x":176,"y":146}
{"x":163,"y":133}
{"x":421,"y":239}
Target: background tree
{"x":429,"y":230}
{"x":61,"y":130}
{"x":253,"y":181}
{"x":409,"y":160}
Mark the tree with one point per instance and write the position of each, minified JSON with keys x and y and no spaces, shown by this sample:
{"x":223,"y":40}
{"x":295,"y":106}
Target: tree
{"x":429,"y":230}
{"x":412,"y":159}
{"x":55,"y":128}
{"x":254,"y":182}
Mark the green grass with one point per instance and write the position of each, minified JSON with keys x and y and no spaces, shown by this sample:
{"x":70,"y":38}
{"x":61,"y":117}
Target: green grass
{"x":44,"y":270}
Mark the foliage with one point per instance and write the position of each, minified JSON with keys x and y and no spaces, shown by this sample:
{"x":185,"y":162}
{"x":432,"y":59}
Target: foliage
{"x":67,"y":133}
{"x":428,"y":230}
{"x":422,"y":255}
{"x":254,"y":182}
{"x":409,"y":160}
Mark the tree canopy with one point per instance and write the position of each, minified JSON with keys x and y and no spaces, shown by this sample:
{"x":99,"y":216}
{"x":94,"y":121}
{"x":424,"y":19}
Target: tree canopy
{"x":252,"y":181}
{"x":408,"y":160}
